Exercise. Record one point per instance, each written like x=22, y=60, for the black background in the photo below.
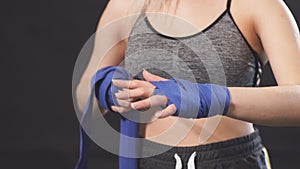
x=40, y=42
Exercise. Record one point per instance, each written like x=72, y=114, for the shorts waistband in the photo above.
x=225, y=150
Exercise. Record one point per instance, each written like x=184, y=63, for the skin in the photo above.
x=282, y=110
x=271, y=31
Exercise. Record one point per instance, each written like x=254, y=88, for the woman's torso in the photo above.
x=222, y=49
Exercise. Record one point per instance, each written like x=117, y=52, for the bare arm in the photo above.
x=272, y=106
x=276, y=106
x=109, y=46
x=277, y=29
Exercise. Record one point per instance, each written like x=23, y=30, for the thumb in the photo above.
x=151, y=77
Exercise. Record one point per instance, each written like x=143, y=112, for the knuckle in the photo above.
x=133, y=83
x=138, y=92
x=130, y=94
x=127, y=104
x=143, y=92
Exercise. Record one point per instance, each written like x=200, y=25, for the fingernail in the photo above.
x=133, y=106
x=117, y=94
x=158, y=114
x=114, y=108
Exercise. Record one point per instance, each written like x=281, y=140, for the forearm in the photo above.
x=273, y=106
x=82, y=94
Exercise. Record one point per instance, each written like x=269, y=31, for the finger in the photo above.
x=151, y=77
x=132, y=99
x=135, y=93
x=124, y=103
x=168, y=111
x=156, y=100
x=122, y=94
x=119, y=109
x=132, y=84
x=127, y=84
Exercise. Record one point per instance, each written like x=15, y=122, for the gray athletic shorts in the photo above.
x=239, y=153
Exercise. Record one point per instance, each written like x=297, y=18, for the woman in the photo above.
x=250, y=32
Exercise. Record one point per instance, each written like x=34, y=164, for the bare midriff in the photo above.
x=181, y=132
x=177, y=131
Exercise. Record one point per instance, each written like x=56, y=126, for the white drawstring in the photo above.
x=191, y=162
x=178, y=162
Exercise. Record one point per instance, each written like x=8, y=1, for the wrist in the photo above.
x=232, y=104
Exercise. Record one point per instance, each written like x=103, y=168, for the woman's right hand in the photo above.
x=139, y=95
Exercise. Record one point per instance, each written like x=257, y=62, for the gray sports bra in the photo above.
x=219, y=54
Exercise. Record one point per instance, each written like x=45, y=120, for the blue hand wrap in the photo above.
x=194, y=100
x=105, y=95
x=103, y=79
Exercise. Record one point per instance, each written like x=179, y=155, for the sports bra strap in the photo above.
x=228, y=5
